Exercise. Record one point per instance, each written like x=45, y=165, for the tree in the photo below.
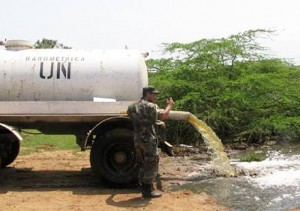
x=48, y=43
x=233, y=85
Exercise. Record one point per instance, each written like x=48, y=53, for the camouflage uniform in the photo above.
x=144, y=116
x=160, y=128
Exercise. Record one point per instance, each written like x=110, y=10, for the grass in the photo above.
x=253, y=156
x=38, y=142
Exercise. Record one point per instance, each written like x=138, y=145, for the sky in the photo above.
x=146, y=24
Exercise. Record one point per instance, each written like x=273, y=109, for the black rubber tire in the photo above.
x=12, y=155
x=103, y=158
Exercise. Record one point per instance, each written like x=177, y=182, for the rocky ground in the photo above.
x=62, y=180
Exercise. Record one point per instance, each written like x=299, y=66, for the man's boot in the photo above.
x=167, y=148
x=147, y=191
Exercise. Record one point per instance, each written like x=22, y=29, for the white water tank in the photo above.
x=16, y=45
x=71, y=75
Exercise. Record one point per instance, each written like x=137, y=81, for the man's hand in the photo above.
x=165, y=113
x=170, y=102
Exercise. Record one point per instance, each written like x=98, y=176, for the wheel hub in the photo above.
x=120, y=157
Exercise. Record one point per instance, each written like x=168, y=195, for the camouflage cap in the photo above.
x=149, y=89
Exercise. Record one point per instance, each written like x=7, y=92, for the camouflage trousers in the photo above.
x=160, y=129
x=147, y=157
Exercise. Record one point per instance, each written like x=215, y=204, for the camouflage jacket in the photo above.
x=144, y=115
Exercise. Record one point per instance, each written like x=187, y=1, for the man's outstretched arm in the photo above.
x=165, y=114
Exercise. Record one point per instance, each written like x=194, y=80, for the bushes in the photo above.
x=253, y=156
x=241, y=94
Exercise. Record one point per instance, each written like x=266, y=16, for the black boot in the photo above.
x=147, y=191
x=167, y=148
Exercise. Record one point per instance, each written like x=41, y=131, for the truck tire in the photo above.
x=113, y=158
x=12, y=154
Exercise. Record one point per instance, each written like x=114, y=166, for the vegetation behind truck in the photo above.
x=79, y=92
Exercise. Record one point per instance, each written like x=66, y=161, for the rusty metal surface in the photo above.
x=60, y=111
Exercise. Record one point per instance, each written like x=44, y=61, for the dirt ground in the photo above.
x=62, y=180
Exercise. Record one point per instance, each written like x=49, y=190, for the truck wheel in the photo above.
x=12, y=150
x=113, y=159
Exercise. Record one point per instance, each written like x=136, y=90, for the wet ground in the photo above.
x=272, y=184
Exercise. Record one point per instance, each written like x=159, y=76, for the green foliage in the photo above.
x=48, y=43
x=253, y=156
x=233, y=85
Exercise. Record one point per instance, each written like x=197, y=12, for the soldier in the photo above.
x=161, y=137
x=144, y=115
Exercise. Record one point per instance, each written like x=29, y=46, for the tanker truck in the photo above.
x=78, y=92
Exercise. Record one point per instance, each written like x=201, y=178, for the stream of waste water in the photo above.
x=275, y=185
x=214, y=145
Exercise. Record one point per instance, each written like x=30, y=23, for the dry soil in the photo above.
x=62, y=180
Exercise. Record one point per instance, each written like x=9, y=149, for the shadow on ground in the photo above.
x=79, y=182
